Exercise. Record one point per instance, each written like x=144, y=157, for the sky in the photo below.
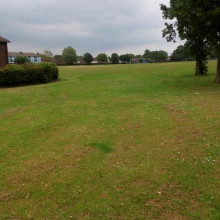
x=94, y=26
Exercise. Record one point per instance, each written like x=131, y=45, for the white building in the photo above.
x=32, y=57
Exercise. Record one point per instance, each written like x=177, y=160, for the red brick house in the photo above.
x=3, y=51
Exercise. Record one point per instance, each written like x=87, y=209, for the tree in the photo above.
x=158, y=56
x=213, y=53
x=21, y=60
x=146, y=53
x=115, y=58
x=45, y=58
x=188, y=27
x=181, y=53
x=69, y=55
x=87, y=58
x=48, y=53
x=102, y=58
x=208, y=14
x=57, y=56
x=126, y=58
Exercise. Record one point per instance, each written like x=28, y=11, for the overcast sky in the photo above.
x=95, y=26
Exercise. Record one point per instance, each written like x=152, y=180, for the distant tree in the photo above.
x=139, y=56
x=114, y=58
x=45, y=58
x=57, y=56
x=87, y=58
x=126, y=58
x=213, y=53
x=48, y=53
x=146, y=53
x=158, y=56
x=69, y=55
x=131, y=55
x=21, y=60
x=102, y=58
x=79, y=57
x=180, y=53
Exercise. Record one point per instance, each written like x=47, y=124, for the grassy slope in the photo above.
x=112, y=142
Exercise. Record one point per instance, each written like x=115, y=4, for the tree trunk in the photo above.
x=217, y=78
x=201, y=68
x=197, y=71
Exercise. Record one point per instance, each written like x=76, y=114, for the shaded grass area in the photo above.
x=112, y=142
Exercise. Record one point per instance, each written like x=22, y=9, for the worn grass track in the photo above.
x=112, y=142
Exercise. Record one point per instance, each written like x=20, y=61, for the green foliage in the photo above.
x=146, y=53
x=126, y=57
x=187, y=24
x=213, y=53
x=58, y=56
x=87, y=58
x=102, y=58
x=157, y=56
x=28, y=73
x=45, y=58
x=115, y=58
x=21, y=60
x=181, y=53
x=69, y=55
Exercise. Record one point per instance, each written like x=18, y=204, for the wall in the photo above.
x=3, y=54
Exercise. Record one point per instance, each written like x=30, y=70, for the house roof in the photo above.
x=26, y=54
x=3, y=40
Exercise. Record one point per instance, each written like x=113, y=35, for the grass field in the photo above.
x=112, y=142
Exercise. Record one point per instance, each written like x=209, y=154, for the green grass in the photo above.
x=112, y=142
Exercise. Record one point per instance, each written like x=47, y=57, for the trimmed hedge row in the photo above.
x=28, y=73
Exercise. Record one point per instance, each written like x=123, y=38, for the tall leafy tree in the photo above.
x=87, y=58
x=187, y=25
x=69, y=55
x=208, y=18
x=114, y=58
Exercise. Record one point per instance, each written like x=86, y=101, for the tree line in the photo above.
x=70, y=57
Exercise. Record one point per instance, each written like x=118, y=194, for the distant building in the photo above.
x=32, y=57
x=3, y=51
x=135, y=60
x=95, y=61
x=80, y=61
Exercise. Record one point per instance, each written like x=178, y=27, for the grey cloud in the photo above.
x=87, y=25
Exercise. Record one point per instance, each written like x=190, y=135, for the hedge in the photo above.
x=28, y=73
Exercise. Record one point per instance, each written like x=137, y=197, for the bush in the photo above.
x=28, y=73
x=21, y=60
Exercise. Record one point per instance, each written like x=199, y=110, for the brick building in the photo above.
x=3, y=51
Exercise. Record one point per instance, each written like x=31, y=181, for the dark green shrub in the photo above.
x=28, y=73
